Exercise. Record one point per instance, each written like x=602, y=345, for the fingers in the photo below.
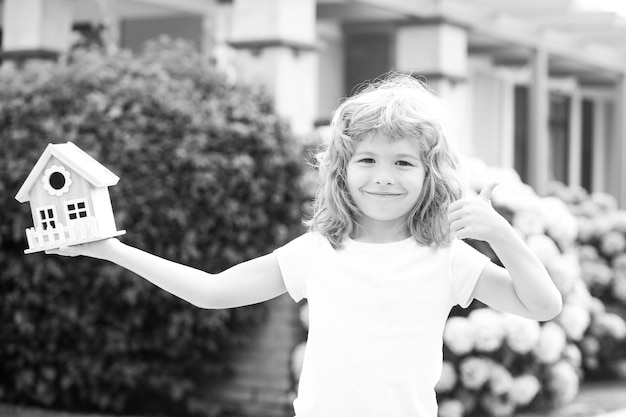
x=486, y=192
x=64, y=251
x=466, y=216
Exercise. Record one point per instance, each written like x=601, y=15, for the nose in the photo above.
x=384, y=177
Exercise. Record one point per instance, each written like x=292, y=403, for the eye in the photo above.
x=404, y=163
x=366, y=160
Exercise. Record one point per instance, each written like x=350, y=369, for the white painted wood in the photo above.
x=538, y=146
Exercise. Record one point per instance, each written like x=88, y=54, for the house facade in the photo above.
x=537, y=86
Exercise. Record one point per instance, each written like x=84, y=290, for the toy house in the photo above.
x=69, y=199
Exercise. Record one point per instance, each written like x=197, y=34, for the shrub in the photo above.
x=208, y=178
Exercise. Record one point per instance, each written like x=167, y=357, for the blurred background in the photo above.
x=208, y=111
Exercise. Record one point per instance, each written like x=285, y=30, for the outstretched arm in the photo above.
x=247, y=283
x=523, y=286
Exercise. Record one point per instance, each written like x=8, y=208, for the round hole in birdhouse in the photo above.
x=57, y=180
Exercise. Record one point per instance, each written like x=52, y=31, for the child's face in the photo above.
x=385, y=179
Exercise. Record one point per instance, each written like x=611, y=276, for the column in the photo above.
x=276, y=49
x=598, y=164
x=538, y=112
x=437, y=50
x=507, y=123
x=619, y=139
x=575, y=138
x=36, y=28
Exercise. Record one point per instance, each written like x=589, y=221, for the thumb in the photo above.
x=486, y=192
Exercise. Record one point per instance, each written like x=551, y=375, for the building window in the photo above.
x=47, y=217
x=76, y=209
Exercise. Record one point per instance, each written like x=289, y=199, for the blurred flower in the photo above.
x=560, y=223
x=448, y=378
x=609, y=324
x=619, y=262
x=544, y=247
x=564, y=271
x=596, y=307
x=618, y=219
x=488, y=329
x=458, y=335
x=497, y=406
x=524, y=389
x=589, y=208
x=575, y=320
x=590, y=346
x=562, y=382
x=500, y=379
x=522, y=334
x=605, y=202
x=591, y=363
x=586, y=229
x=529, y=222
x=568, y=193
x=602, y=224
x=450, y=407
x=612, y=243
x=474, y=372
x=596, y=274
x=619, y=286
x=580, y=295
x=552, y=342
x=468, y=398
x=588, y=253
x=573, y=355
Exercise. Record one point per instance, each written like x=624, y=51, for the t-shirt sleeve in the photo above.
x=294, y=260
x=466, y=266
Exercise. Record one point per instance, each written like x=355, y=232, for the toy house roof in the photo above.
x=73, y=157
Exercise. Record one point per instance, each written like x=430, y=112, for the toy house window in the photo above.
x=76, y=209
x=47, y=217
x=56, y=180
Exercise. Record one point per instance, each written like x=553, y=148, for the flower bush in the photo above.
x=497, y=363
x=208, y=178
x=601, y=248
x=505, y=363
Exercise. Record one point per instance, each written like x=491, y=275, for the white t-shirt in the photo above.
x=376, y=319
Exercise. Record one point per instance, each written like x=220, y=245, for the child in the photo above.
x=382, y=264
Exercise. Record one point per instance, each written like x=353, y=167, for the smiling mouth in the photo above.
x=382, y=195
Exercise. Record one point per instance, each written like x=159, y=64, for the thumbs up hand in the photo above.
x=475, y=217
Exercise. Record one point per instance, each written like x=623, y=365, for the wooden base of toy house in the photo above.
x=76, y=233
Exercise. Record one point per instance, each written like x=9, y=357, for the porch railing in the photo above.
x=76, y=231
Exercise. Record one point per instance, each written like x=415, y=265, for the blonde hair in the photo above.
x=398, y=107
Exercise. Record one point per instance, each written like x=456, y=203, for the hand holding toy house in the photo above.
x=69, y=199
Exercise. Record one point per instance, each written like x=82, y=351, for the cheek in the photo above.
x=417, y=179
x=353, y=178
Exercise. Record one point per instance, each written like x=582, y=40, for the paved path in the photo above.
x=595, y=399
